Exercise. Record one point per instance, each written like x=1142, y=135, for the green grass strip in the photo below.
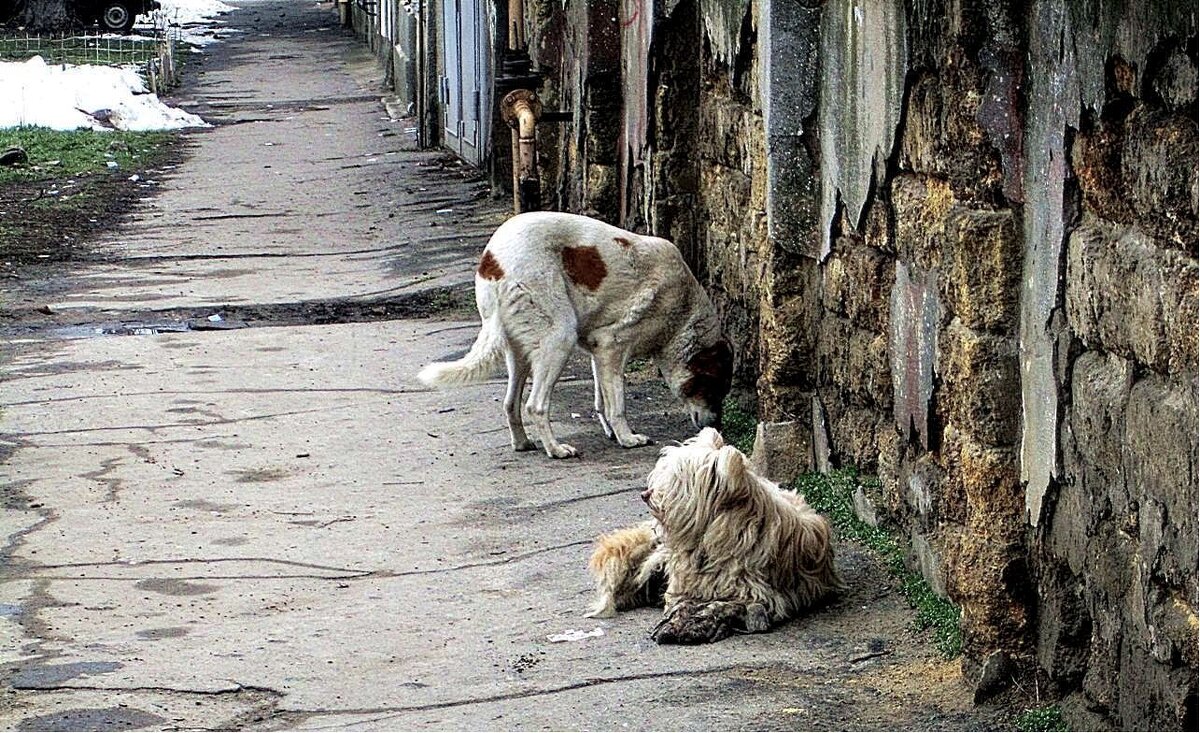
x=74, y=153
x=833, y=495
x=1046, y=718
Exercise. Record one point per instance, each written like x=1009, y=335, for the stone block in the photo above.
x=981, y=490
x=1140, y=171
x=853, y=432
x=921, y=206
x=1065, y=625
x=864, y=507
x=1175, y=81
x=980, y=384
x=891, y=456
x=793, y=195
x=600, y=190
x=942, y=135
x=1160, y=459
x=1127, y=295
x=857, y=284
x=782, y=450
x=981, y=275
x=1094, y=432
x=1158, y=167
x=928, y=561
x=854, y=360
x=921, y=486
x=673, y=174
x=1070, y=526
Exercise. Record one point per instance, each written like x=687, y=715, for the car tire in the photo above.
x=117, y=16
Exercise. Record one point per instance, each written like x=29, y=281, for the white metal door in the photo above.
x=462, y=52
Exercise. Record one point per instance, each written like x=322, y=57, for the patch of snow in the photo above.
x=68, y=97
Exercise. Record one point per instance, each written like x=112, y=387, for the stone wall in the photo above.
x=957, y=242
x=1008, y=327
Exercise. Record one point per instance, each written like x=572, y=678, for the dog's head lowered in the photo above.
x=696, y=482
x=710, y=373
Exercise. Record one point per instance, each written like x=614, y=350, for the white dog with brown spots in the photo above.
x=548, y=282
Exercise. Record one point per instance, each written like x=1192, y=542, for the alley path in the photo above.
x=277, y=527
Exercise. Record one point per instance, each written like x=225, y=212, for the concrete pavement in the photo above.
x=277, y=527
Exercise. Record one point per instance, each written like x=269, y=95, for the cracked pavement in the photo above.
x=276, y=526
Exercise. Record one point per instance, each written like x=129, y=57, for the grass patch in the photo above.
x=75, y=153
x=1046, y=718
x=738, y=427
x=832, y=495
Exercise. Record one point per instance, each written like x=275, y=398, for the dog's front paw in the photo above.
x=603, y=608
x=634, y=440
x=561, y=450
x=523, y=445
x=690, y=622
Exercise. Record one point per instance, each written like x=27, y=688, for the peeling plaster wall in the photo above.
x=864, y=56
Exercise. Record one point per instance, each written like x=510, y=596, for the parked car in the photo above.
x=114, y=16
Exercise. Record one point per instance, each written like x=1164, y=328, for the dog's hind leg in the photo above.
x=547, y=363
x=518, y=373
x=628, y=567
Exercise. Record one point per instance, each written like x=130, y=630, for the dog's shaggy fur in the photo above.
x=550, y=281
x=737, y=553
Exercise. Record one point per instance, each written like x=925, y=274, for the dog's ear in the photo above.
x=733, y=476
x=711, y=436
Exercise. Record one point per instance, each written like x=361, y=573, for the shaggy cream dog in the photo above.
x=735, y=553
x=548, y=282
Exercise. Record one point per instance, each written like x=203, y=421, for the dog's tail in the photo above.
x=480, y=363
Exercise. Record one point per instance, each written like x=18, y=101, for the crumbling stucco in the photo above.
x=864, y=59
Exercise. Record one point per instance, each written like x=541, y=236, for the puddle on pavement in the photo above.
x=137, y=328
x=173, y=587
x=36, y=677
x=115, y=718
x=164, y=632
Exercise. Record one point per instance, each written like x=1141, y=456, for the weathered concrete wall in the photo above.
x=958, y=239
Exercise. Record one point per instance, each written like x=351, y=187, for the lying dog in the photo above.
x=549, y=281
x=727, y=550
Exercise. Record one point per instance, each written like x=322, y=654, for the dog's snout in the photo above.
x=646, y=495
x=706, y=419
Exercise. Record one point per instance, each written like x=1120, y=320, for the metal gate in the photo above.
x=463, y=49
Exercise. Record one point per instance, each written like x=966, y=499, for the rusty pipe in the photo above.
x=521, y=109
x=516, y=24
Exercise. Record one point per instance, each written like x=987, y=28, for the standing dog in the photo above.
x=549, y=281
x=735, y=552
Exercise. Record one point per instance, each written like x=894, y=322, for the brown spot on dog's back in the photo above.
x=584, y=266
x=712, y=374
x=623, y=241
x=489, y=268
